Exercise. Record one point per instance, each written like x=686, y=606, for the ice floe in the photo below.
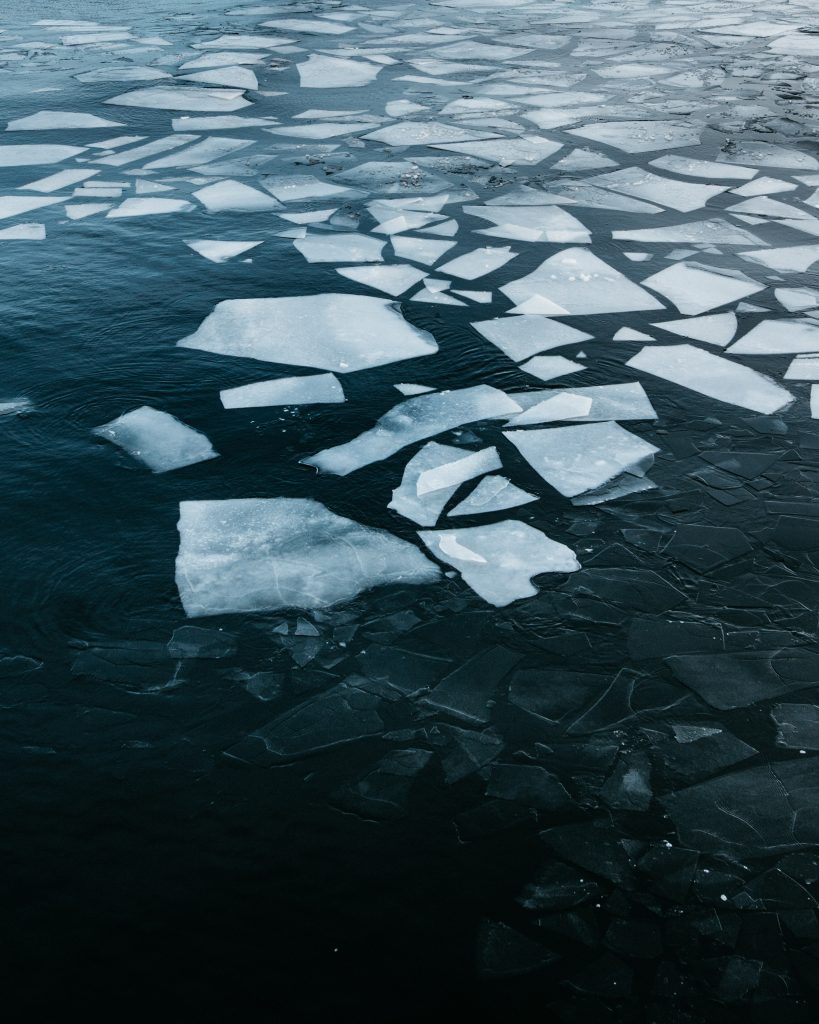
x=159, y=440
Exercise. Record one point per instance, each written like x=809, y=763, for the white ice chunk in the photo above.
x=13, y=206
x=640, y=136
x=492, y=494
x=478, y=262
x=323, y=72
x=235, y=195
x=701, y=232
x=413, y=389
x=425, y=506
x=150, y=149
x=79, y=211
x=123, y=73
x=629, y=334
x=576, y=282
x=394, y=279
x=794, y=259
x=178, y=97
x=713, y=376
x=46, y=120
x=562, y=405
x=424, y=133
x=201, y=153
x=340, y=247
x=328, y=332
x=522, y=336
x=296, y=188
x=583, y=457
x=766, y=154
x=62, y=179
x=702, y=168
x=797, y=299
x=234, y=77
x=314, y=389
x=542, y=223
x=498, y=561
x=528, y=149
x=454, y=473
x=583, y=160
x=218, y=250
x=694, y=289
x=715, y=329
x=684, y=196
x=31, y=155
x=608, y=402
x=159, y=440
x=308, y=26
x=420, y=250
x=414, y=420
x=764, y=187
x=778, y=337
x=803, y=368
x=23, y=233
x=263, y=554
x=136, y=207
x=549, y=367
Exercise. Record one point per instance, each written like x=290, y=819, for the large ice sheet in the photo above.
x=522, y=336
x=414, y=420
x=261, y=554
x=684, y=196
x=329, y=332
x=712, y=375
x=699, y=232
x=159, y=440
x=576, y=282
x=499, y=560
x=584, y=457
x=314, y=389
x=479, y=262
x=13, y=206
x=695, y=289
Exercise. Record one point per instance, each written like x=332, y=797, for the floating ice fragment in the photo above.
x=234, y=77
x=678, y=195
x=393, y=279
x=538, y=223
x=235, y=195
x=765, y=154
x=23, y=233
x=562, y=405
x=478, y=262
x=694, y=289
x=492, y=494
x=528, y=149
x=62, y=179
x=160, y=97
x=150, y=149
x=416, y=500
x=498, y=561
x=262, y=554
x=308, y=26
x=715, y=329
x=13, y=206
x=584, y=457
x=26, y=156
x=329, y=332
x=201, y=153
x=158, y=439
x=804, y=367
x=323, y=72
x=575, y=282
x=413, y=389
x=640, y=136
x=229, y=41
x=778, y=337
x=150, y=207
x=219, y=251
x=46, y=120
x=792, y=259
x=414, y=420
x=116, y=73
x=314, y=389
x=522, y=336
x=340, y=247
x=452, y=474
x=701, y=232
x=702, y=168
x=609, y=401
x=713, y=376
x=549, y=367
x=420, y=250
x=295, y=188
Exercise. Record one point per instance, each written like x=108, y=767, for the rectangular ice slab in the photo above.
x=30, y=156
x=311, y=390
x=575, y=282
x=498, y=561
x=261, y=554
x=712, y=375
x=329, y=332
x=414, y=420
x=584, y=457
x=158, y=439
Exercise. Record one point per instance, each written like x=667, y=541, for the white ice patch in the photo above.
x=394, y=279
x=478, y=263
x=522, y=336
x=323, y=72
x=499, y=560
x=433, y=475
x=694, y=289
x=640, y=136
x=340, y=247
x=715, y=329
x=713, y=376
x=157, y=439
x=492, y=494
x=778, y=337
x=411, y=421
x=262, y=554
x=219, y=251
x=47, y=120
x=136, y=207
x=32, y=155
x=235, y=195
x=328, y=332
x=178, y=97
x=315, y=389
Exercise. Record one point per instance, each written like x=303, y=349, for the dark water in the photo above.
x=151, y=857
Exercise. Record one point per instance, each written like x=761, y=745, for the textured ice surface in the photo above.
x=701, y=168
x=549, y=367
x=699, y=232
x=158, y=439
x=13, y=206
x=712, y=375
x=433, y=475
x=522, y=336
x=640, y=136
x=498, y=561
x=329, y=332
x=161, y=97
x=684, y=196
x=260, y=554
x=340, y=247
x=576, y=282
x=694, y=289
x=414, y=420
x=584, y=457
x=531, y=223
x=310, y=390
x=492, y=494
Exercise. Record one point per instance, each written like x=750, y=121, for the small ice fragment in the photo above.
x=640, y=136
x=413, y=389
x=235, y=195
x=30, y=232
x=492, y=494
x=262, y=554
x=453, y=474
x=420, y=250
x=13, y=206
x=695, y=289
x=791, y=259
x=159, y=440
x=715, y=329
x=522, y=336
x=150, y=207
x=549, y=367
x=629, y=334
x=218, y=250
x=62, y=179
x=46, y=120
x=713, y=376
x=701, y=168
x=394, y=279
x=414, y=420
x=453, y=465
x=309, y=390
x=498, y=561
x=560, y=406
x=803, y=368
x=324, y=72
x=328, y=332
x=340, y=247
x=583, y=457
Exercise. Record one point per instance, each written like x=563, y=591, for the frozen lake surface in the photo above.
x=410, y=456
